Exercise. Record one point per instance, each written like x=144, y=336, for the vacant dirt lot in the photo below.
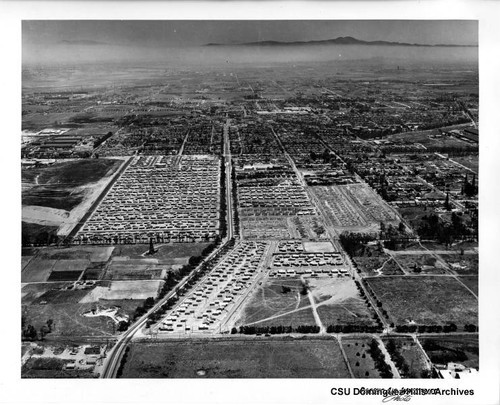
x=253, y=358
x=269, y=301
x=338, y=302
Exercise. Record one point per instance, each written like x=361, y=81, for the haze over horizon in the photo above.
x=101, y=41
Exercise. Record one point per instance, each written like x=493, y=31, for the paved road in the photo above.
x=112, y=362
x=229, y=183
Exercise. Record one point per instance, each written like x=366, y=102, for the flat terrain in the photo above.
x=414, y=359
x=362, y=364
x=338, y=302
x=56, y=186
x=253, y=358
x=425, y=300
x=424, y=264
x=269, y=301
x=457, y=349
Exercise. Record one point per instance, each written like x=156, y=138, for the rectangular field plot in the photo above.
x=255, y=358
x=115, y=290
x=62, y=275
x=338, y=302
x=425, y=300
x=37, y=270
x=360, y=360
x=353, y=206
x=93, y=254
x=408, y=357
x=170, y=199
x=462, y=349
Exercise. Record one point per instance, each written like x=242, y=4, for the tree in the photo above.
x=50, y=322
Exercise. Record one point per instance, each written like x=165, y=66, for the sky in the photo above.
x=180, y=42
x=195, y=33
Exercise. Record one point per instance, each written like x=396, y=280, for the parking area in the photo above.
x=213, y=300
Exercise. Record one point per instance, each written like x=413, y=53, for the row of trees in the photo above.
x=378, y=357
x=275, y=330
x=447, y=328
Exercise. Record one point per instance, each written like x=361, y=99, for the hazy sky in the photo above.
x=192, y=33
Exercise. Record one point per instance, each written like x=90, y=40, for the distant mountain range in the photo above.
x=335, y=41
x=81, y=42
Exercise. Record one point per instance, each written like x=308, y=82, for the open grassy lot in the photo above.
x=69, y=320
x=424, y=264
x=31, y=292
x=470, y=161
x=73, y=173
x=115, y=290
x=462, y=349
x=472, y=282
x=462, y=264
x=381, y=264
x=273, y=299
x=338, y=302
x=413, y=363
x=428, y=300
x=234, y=358
x=36, y=233
x=371, y=260
x=90, y=253
x=169, y=253
x=361, y=362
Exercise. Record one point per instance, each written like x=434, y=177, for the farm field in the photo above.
x=413, y=363
x=457, y=349
x=253, y=358
x=37, y=270
x=426, y=300
x=360, y=360
x=115, y=290
x=63, y=263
